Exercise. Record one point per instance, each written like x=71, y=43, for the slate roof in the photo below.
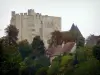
x=75, y=29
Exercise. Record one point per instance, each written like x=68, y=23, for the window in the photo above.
x=49, y=25
x=41, y=22
x=32, y=25
x=33, y=29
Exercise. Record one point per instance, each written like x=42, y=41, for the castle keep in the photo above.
x=31, y=24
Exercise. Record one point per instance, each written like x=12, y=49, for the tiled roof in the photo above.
x=59, y=49
x=68, y=46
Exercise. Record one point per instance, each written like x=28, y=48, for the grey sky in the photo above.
x=84, y=13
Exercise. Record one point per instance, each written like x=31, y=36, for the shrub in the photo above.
x=91, y=67
x=42, y=71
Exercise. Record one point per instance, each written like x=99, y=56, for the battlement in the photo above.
x=21, y=14
x=13, y=13
x=25, y=13
x=32, y=12
x=46, y=15
x=17, y=14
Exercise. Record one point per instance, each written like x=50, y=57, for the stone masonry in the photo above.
x=31, y=24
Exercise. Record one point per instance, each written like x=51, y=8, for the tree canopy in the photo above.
x=96, y=50
x=12, y=33
x=38, y=46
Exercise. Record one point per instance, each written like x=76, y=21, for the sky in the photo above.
x=83, y=13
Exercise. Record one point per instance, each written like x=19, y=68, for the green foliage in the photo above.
x=54, y=68
x=58, y=58
x=23, y=65
x=66, y=64
x=38, y=46
x=91, y=67
x=36, y=63
x=89, y=52
x=60, y=64
x=81, y=55
x=11, y=56
x=1, y=51
x=8, y=48
x=80, y=42
x=29, y=61
x=43, y=61
x=9, y=67
x=11, y=49
x=14, y=58
x=27, y=67
x=42, y=71
x=96, y=51
x=25, y=49
x=56, y=38
x=11, y=64
x=12, y=33
x=65, y=60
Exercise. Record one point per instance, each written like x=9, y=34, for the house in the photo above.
x=92, y=40
x=73, y=35
x=64, y=42
x=69, y=47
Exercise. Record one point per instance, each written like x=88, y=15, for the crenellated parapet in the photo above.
x=13, y=13
x=31, y=12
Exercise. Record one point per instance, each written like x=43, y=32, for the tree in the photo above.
x=66, y=66
x=56, y=38
x=25, y=48
x=68, y=36
x=12, y=33
x=27, y=67
x=9, y=51
x=10, y=58
x=61, y=65
x=89, y=52
x=42, y=71
x=1, y=50
x=8, y=48
x=81, y=55
x=54, y=68
x=10, y=65
x=96, y=50
x=43, y=60
x=80, y=42
x=90, y=67
x=38, y=46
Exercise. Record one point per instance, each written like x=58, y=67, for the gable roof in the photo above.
x=59, y=49
x=68, y=46
x=76, y=30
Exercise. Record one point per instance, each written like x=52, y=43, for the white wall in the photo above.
x=29, y=25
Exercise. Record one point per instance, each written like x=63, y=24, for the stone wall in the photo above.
x=31, y=24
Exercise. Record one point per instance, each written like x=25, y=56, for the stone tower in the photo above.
x=31, y=24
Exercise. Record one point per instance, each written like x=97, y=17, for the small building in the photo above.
x=92, y=40
x=69, y=47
